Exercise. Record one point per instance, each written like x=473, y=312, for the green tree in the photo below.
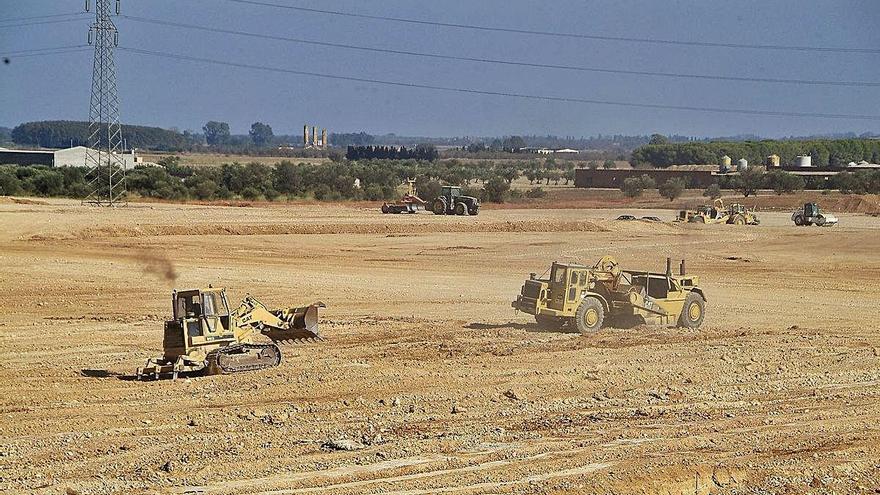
x=216, y=132
x=261, y=134
x=672, y=188
x=495, y=189
x=658, y=139
x=608, y=164
x=632, y=187
x=712, y=192
x=749, y=182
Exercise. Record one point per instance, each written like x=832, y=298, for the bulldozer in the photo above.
x=587, y=297
x=205, y=335
x=734, y=214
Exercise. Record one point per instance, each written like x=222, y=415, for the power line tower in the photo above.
x=106, y=175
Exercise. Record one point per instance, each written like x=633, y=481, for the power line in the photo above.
x=869, y=84
x=35, y=23
x=503, y=93
x=55, y=48
x=50, y=16
x=564, y=35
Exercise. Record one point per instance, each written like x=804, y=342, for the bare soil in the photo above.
x=426, y=371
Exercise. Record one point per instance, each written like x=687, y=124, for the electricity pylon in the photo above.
x=106, y=175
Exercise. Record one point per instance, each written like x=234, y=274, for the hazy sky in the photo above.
x=185, y=94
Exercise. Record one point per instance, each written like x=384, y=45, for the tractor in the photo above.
x=452, y=202
x=586, y=297
x=810, y=215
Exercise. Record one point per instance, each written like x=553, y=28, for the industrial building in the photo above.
x=68, y=157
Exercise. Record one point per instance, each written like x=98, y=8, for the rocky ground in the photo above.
x=428, y=382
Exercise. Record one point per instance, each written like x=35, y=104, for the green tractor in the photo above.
x=587, y=297
x=452, y=202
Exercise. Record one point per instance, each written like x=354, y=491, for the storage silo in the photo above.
x=773, y=161
x=804, y=161
x=742, y=165
x=725, y=161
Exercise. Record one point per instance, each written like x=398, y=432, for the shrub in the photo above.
x=632, y=187
x=713, y=192
x=672, y=188
x=536, y=192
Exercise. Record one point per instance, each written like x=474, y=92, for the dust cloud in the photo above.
x=158, y=265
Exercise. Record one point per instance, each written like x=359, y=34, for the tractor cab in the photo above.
x=201, y=316
x=450, y=192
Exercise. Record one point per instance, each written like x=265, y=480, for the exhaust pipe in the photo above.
x=681, y=269
x=668, y=267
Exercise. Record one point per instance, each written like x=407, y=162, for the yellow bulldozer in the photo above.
x=587, y=297
x=205, y=335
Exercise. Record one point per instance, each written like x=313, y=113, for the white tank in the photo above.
x=742, y=165
x=804, y=161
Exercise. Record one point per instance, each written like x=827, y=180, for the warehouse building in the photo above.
x=69, y=157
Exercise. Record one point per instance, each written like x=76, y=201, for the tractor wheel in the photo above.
x=589, y=316
x=475, y=210
x=461, y=209
x=385, y=208
x=820, y=221
x=738, y=220
x=549, y=322
x=693, y=311
x=439, y=206
x=799, y=220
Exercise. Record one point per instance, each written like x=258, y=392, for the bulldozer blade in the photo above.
x=302, y=323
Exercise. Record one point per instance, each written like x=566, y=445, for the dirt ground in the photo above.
x=426, y=364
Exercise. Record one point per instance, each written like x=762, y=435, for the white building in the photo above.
x=69, y=157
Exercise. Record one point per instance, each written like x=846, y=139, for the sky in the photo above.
x=185, y=94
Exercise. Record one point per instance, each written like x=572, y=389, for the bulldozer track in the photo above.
x=223, y=358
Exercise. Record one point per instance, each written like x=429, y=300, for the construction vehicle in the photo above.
x=586, y=297
x=734, y=214
x=811, y=215
x=452, y=202
x=409, y=203
x=205, y=336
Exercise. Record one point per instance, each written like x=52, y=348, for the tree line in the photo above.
x=754, y=180
x=420, y=152
x=824, y=152
x=64, y=133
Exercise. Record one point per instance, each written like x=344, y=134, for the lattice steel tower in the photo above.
x=106, y=175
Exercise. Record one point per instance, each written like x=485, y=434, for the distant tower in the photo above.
x=306, y=136
x=324, y=138
x=106, y=175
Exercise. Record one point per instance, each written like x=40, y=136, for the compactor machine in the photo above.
x=206, y=335
x=586, y=297
x=811, y=215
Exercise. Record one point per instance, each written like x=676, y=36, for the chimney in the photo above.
x=306, y=136
x=315, y=136
x=324, y=138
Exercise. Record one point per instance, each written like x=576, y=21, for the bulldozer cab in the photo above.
x=202, y=315
x=567, y=283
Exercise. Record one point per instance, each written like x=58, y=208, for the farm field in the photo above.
x=424, y=362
